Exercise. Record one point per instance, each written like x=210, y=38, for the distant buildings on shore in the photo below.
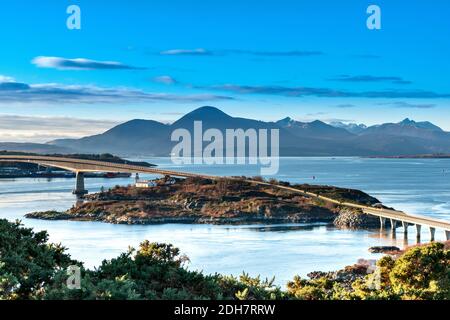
x=154, y=183
x=15, y=172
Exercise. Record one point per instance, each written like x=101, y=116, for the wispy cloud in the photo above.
x=41, y=129
x=369, y=78
x=293, y=53
x=79, y=64
x=205, y=52
x=345, y=105
x=407, y=105
x=13, y=91
x=334, y=120
x=186, y=52
x=327, y=92
x=315, y=114
x=6, y=79
x=165, y=80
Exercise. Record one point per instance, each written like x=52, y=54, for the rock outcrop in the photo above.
x=355, y=219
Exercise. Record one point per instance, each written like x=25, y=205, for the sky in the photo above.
x=257, y=59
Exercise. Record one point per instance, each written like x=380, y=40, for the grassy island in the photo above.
x=227, y=201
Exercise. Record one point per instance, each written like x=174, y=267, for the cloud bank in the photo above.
x=16, y=128
x=12, y=91
x=407, y=105
x=327, y=92
x=369, y=78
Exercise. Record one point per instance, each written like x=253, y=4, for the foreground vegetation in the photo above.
x=31, y=268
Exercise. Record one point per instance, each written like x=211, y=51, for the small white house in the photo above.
x=145, y=184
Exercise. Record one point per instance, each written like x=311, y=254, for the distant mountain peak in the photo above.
x=285, y=122
x=350, y=127
x=421, y=125
x=318, y=123
x=205, y=113
x=207, y=110
x=407, y=121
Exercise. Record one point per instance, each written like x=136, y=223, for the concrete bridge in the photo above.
x=80, y=166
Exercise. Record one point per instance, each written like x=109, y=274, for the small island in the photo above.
x=219, y=201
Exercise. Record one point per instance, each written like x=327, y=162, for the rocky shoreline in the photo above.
x=224, y=201
x=55, y=215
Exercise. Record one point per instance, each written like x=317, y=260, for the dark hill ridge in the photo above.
x=212, y=117
x=126, y=138
x=95, y=157
x=316, y=138
x=33, y=147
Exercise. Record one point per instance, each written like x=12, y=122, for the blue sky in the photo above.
x=258, y=59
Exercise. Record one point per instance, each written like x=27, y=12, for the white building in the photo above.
x=145, y=184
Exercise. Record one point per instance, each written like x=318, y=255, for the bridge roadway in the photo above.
x=79, y=166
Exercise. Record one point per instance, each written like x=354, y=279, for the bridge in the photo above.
x=80, y=166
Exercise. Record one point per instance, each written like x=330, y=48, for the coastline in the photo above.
x=204, y=201
x=418, y=156
x=54, y=216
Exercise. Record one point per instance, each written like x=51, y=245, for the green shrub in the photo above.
x=31, y=268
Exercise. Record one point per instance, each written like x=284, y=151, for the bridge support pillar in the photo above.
x=393, y=228
x=432, y=232
x=418, y=229
x=382, y=222
x=393, y=225
x=79, y=186
x=447, y=235
x=405, y=226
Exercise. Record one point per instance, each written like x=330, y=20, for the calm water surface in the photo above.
x=413, y=185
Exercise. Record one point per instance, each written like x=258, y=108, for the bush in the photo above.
x=28, y=264
x=31, y=268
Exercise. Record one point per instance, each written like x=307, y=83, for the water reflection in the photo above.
x=284, y=227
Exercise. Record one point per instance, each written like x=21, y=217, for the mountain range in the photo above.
x=151, y=138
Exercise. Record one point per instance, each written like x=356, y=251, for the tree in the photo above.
x=27, y=262
x=422, y=273
x=31, y=268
